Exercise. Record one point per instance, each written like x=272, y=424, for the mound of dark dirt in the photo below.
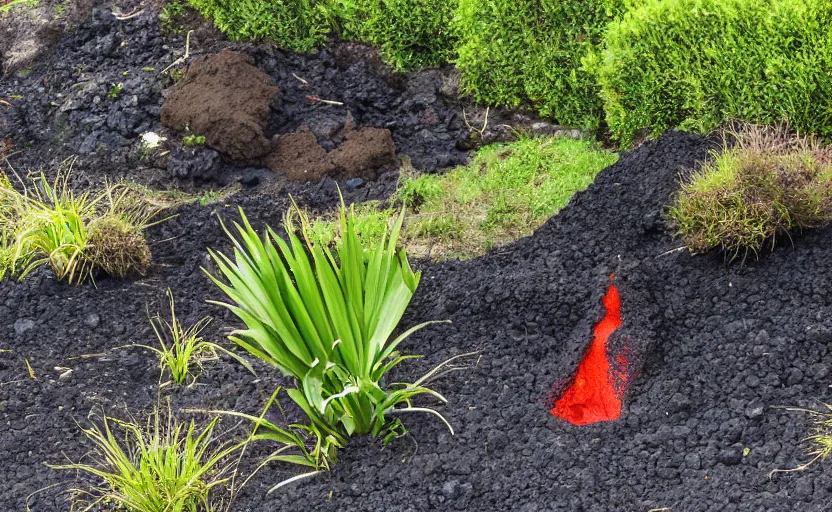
x=719, y=348
x=363, y=152
x=226, y=99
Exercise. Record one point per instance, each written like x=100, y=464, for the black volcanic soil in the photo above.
x=720, y=347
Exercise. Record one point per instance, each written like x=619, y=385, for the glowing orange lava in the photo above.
x=592, y=396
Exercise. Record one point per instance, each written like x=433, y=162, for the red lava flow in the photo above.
x=592, y=397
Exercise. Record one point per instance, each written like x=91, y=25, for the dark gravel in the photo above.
x=720, y=347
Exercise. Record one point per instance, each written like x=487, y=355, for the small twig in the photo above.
x=128, y=16
x=671, y=251
x=315, y=99
x=183, y=58
x=299, y=79
x=85, y=356
x=471, y=128
x=6, y=103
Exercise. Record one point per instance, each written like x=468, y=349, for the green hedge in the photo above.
x=694, y=63
x=516, y=52
x=410, y=34
x=298, y=25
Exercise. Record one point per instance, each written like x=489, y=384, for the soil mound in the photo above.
x=226, y=99
x=362, y=154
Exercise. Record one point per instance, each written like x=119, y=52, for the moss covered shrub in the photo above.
x=764, y=183
x=410, y=34
x=515, y=52
x=298, y=25
x=694, y=63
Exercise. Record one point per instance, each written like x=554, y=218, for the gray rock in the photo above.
x=92, y=320
x=21, y=325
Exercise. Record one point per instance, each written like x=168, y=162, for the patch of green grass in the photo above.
x=528, y=52
x=299, y=25
x=764, y=183
x=505, y=193
x=409, y=34
x=77, y=235
x=18, y=3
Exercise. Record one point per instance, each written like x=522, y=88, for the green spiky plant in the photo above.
x=163, y=466
x=182, y=351
x=326, y=319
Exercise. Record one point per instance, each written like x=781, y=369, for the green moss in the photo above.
x=299, y=25
x=410, y=34
x=694, y=63
x=528, y=52
x=507, y=192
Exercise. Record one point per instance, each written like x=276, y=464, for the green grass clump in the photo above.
x=163, y=466
x=766, y=184
x=77, y=235
x=528, y=52
x=505, y=193
x=410, y=34
x=299, y=25
x=694, y=63
x=326, y=318
x=182, y=351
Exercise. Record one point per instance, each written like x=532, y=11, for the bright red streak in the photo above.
x=592, y=396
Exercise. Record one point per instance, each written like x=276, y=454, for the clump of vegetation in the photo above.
x=507, y=192
x=170, y=14
x=190, y=141
x=17, y=3
x=162, y=466
x=299, y=25
x=326, y=318
x=116, y=247
x=77, y=235
x=695, y=63
x=528, y=52
x=115, y=91
x=409, y=34
x=182, y=351
x=764, y=183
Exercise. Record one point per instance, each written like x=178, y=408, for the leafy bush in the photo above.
x=326, y=319
x=163, y=466
x=298, y=25
x=694, y=63
x=767, y=184
x=410, y=34
x=516, y=52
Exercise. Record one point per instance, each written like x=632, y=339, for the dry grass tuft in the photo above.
x=764, y=183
